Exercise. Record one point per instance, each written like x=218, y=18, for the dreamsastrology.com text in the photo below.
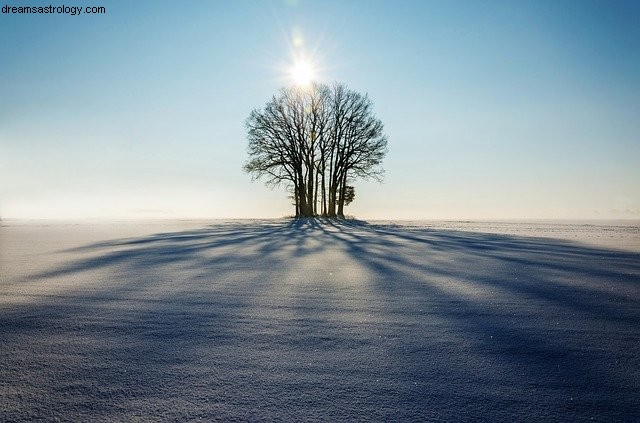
x=51, y=9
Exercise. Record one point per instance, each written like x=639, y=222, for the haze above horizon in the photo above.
x=494, y=110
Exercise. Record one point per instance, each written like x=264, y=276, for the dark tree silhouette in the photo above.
x=313, y=141
x=349, y=194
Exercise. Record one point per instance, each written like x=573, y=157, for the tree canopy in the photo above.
x=314, y=140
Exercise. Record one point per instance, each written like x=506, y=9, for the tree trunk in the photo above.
x=324, y=196
x=343, y=184
x=310, y=193
x=295, y=195
x=302, y=196
x=315, y=196
x=333, y=192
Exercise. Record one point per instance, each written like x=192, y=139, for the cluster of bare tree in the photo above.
x=315, y=140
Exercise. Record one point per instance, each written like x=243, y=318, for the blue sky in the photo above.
x=493, y=109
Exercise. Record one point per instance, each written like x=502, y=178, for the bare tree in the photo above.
x=314, y=141
x=359, y=144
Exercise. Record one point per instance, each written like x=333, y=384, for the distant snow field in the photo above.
x=315, y=320
x=618, y=234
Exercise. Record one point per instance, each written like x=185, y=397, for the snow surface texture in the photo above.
x=312, y=320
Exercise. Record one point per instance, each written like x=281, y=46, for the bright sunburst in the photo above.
x=302, y=72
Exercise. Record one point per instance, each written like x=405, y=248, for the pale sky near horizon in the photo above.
x=494, y=110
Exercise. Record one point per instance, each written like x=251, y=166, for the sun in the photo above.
x=302, y=72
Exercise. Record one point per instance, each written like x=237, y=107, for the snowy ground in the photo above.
x=308, y=320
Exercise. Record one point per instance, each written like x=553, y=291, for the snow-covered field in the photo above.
x=312, y=320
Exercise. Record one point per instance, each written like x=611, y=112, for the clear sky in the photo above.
x=509, y=109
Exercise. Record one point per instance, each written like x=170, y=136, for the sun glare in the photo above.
x=302, y=73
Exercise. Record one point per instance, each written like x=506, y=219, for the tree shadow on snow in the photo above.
x=322, y=319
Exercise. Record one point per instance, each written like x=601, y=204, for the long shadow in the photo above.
x=247, y=321
x=548, y=283
x=542, y=265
